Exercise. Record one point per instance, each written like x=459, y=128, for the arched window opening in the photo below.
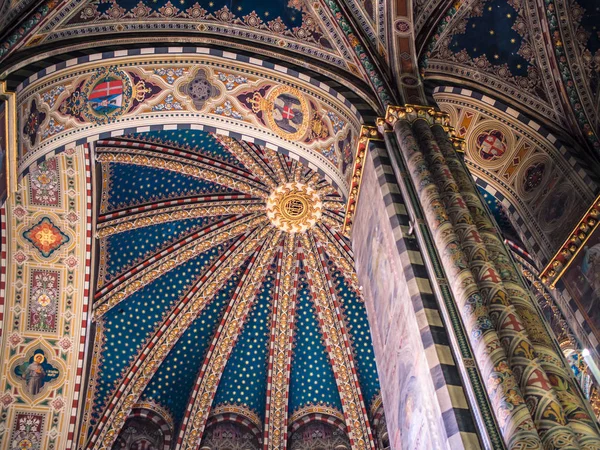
x=229, y=436
x=319, y=436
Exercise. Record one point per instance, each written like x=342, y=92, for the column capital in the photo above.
x=411, y=113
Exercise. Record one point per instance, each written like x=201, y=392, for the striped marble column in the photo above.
x=544, y=405
x=513, y=417
x=559, y=374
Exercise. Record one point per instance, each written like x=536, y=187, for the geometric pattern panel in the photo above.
x=212, y=90
x=535, y=178
x=46, y=309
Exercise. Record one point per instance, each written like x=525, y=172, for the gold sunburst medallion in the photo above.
x=294, y=207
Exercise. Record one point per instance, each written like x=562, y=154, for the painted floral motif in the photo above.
x=336, y=121
x=170, y=74
x=33, y=122
x=330, y=154
x=46, y=237
x=50, y=96
x=231, y=81
x=168, y=104
x=43, y=300
x=227, y=110
x=52, y=129
x=45, y=184
x=533, y=177
x=110, y=10
x=28, y=431
x=492, y=145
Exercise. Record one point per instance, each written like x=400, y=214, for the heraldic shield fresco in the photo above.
x=314, y=122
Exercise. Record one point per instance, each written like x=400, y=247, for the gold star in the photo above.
x=492, y=32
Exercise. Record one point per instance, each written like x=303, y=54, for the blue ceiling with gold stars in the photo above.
x=499, y=213
x=165, y=233
x=491, y=32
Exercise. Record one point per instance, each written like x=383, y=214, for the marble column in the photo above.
x=545, y=346
x=512, y=414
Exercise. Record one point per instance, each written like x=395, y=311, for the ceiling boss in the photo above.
x=294, y=207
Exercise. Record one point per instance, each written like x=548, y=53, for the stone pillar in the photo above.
x=545, y=347
x=513, y=417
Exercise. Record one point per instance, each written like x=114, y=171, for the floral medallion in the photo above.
x=46, y=237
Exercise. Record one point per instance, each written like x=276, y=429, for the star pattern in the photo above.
x=492, y=34
x=157, y=270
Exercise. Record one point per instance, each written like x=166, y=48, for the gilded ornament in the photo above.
x=294, y=207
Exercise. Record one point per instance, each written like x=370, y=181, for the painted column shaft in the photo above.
x=577, y=414
x=514, y=419
x=541, y=399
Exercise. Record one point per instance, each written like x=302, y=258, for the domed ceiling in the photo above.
x=224, y=286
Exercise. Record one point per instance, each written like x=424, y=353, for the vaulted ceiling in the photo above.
x=220, y=292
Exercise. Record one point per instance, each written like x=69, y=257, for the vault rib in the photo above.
x=135, y=279
x=222, y=345
x=280, y=345
x=180, y=165
x=157, y=348
x=158, y=215
x=338, y=345
x=339, y=252
x=246, y=155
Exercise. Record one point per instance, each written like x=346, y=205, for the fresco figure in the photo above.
x=36, y=372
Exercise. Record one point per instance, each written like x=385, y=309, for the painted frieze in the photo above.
x=535, y=178
x=314, y=123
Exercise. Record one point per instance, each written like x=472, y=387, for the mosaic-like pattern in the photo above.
x=45, y=328
x=539, y=181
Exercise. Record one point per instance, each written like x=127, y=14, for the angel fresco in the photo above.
x=36, y=372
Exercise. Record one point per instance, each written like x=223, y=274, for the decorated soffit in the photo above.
x=317, y=31
x=294, y=114
x=488, y=44
x=537, y=180
x=224, y=291
x=10, y=9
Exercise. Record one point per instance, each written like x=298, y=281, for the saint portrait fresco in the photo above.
x=36, y=372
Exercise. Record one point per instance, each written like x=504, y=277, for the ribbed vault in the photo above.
x=224, y=287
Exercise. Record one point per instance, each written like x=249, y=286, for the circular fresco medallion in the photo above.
x=287, y=113
x=294, y=207
x=492, y=145
x=108, y=94
x=533, y=176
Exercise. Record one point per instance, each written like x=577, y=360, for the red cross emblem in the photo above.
x=538, y=379
x=288, y=113
x=492, y=147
